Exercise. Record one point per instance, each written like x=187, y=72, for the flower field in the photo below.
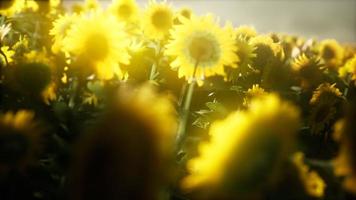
x=160, y=103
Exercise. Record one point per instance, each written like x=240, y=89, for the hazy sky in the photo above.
x=310, y=18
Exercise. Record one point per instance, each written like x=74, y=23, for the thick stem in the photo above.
x=186, y=109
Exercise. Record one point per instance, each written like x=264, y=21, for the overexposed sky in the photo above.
x=309, y=18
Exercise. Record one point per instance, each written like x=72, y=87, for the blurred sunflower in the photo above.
x=183, y=12
x=349, y=69
x=246, y=54
x=267, y=52
x=19, y=6
x=60, y=29
x=331, y=52
x=245, y=31
x=314, y=185
x=324, y=107
x=344, y=163
x=201, y=49
x=6, y=51
x=125, y=10
x=131, y=159
x=158, y=20
x=253, y=93
x=100, y=45
x=91, y=5
x=246, y=150
x=308, y=70
x=19, y=139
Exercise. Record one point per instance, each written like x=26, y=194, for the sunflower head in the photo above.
x=267, y=52
x=98, y=47
x=331, y=52
x=324, y=103
x=158, y=20
x=349, y=69
x=326, y=93
x=308, y=70
x=245, y=31
x=19, y=139
x=345, y=163
x=201, y=49
x=125, y=10
x=60, y=30
x=131, y=159
x=183, y=12
x=314, y=185
x=246, y=53
x=226, y=166
x=255, y=92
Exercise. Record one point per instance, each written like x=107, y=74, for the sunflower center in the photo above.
x=124, y=11
x=203, y=49
x=328, y=53
x=97, y=46
x=162, y=20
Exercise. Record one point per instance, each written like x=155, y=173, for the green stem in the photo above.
x=153, y=72
x=186, y=109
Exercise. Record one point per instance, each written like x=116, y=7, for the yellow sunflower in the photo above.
x=255, y=92
x=246, y=31
x=308, y=71
x=8, y=53
x=99, y=43
x=60, y=30
x=137, y=146
x=229, y=163
x=125, y=10
x=267, y=51
x=201, y=49
x=246, y=54
x=158, y=20
x=183, y=12
x=349, y=69
x=314, y=185
x=343, y=163
x=331, y=52
x=324, y=101
x=19, y=6
x=20, y=139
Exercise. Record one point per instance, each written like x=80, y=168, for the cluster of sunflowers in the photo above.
x=156, y=103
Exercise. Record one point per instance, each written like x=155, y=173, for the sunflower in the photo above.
x=19, y=6
x=331, y=52
x=230, y=162
x=49, y=93
x=246, y=53
x=201, y=49
x=314, y=185
x=19, y=138
x=91, y=5
x=158, y=20
x=344, y=162
x=138, y=146
x=324, y=106
x=349, y=69
x=99, y=43
x=8, y=53
x=255, y=92
x=60, y=30
x=245, y=31
x=308, y=70
x=125, y=10
x=183, y=12
x=267, y=52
